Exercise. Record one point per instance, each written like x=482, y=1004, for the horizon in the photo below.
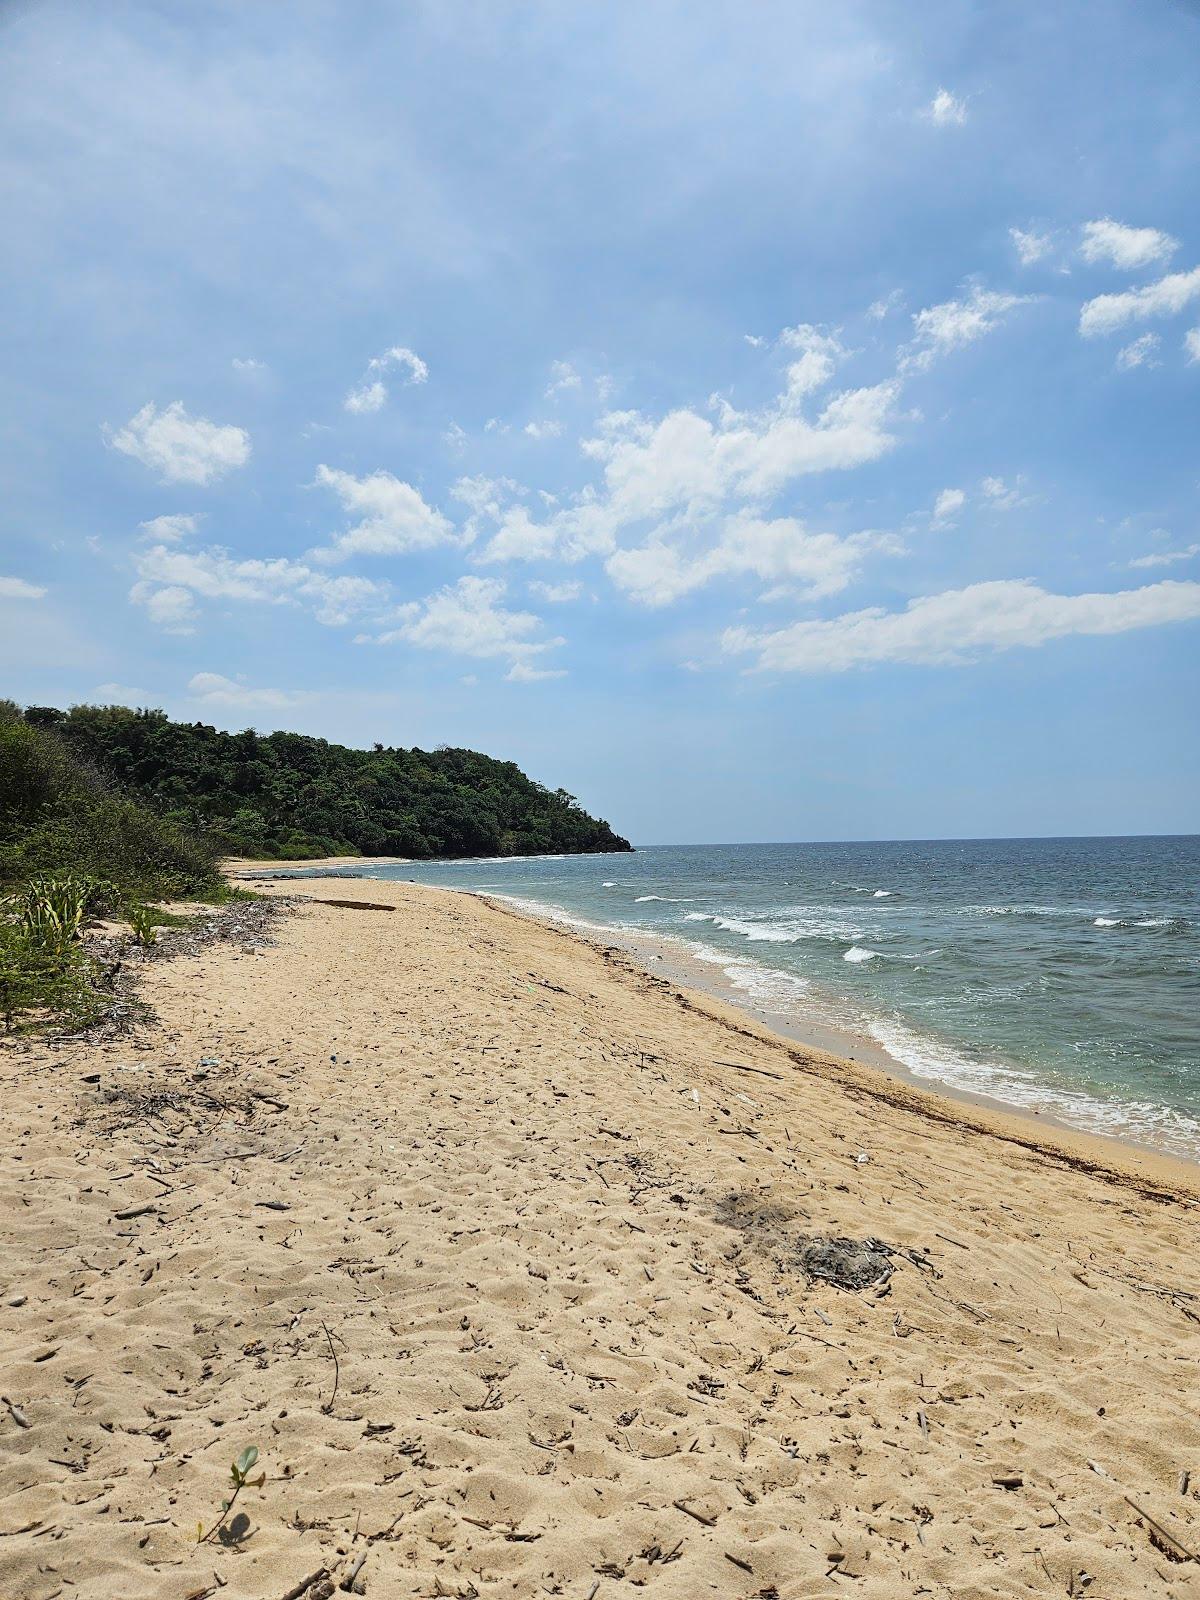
x=782, y=424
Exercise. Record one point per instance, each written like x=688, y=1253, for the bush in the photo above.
x=58, y=816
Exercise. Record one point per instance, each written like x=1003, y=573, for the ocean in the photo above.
x=1053, y=975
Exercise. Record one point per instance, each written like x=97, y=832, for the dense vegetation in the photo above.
x=71, y=846
x=286, y=796
x=59, y=814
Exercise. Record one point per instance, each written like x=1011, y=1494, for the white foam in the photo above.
x=882, y=894
x=698, y=916
x=857, y=953
x=1107, y=922
x=674, y=899
x=608, y=884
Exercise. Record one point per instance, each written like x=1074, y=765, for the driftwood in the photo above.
x=354, y=905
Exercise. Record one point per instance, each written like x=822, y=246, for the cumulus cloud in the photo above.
x=1191, y=344
x=885, y=305
x=562, y=377
x=1167, y=558
x=946, y=110
x=1125, y=247
x=691, y=466
x=168, y=530
x=248, y=366
x=556, y=593
x=1163, y=298
x=522, y=672
x=779, y=551
x=169, y=606
x=955, y=323
x=182, y=448
x=467, y=618
x=393, y=517
x=1002, y=496
x=371, y=394
x=210, y=688
x=1030, y=246
x=961, y=625
x=169, y=580
x=549, y=429
x=947, y=505
x=18, y=589
x=1139, y=353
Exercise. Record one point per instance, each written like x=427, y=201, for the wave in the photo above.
x=938, y=1061
x=883, y=894
x=675, y=899
x=857, y=953
x=698, y=916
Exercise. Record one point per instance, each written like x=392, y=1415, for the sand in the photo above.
x=479, y=1235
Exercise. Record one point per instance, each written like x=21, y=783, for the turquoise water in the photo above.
x=1057, y=974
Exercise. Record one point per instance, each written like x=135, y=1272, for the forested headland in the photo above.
x=286, y=796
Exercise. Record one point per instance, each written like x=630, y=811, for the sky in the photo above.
x=768, y=423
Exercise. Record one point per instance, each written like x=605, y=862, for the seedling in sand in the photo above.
x=240, y=1474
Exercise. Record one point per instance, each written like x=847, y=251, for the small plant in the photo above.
x=51, y=909
x=239, y=1472
x=143, y=923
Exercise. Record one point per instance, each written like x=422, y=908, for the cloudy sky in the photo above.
x=768, y=422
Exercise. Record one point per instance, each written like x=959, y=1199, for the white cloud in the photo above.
x=1167, y=558
x=522, y=672
x=1125, y=247
x=169, y=581
x=1139, y=353
x=1002, y=496
x=367, y=398
x=248, y=365
x=210, y=688
x=1164, y=298
x=946, y=110
x=878, y=309
x=562, y=376
x=556, y=593
x=120, y=694
x=467, y=618
x=780, y=551
x=1030, y=246
x=455, y=436
x=371, y=394
x=1191, y=344
x=947, y=505
x=18, y=589
x=819, y=355
x=754, y=341
x=954, y=323
x=686, y=465
x=169, y=606
x=168, y=530
x=960, y=625
x=182, y=448
x=394, y=517
x=543, y=430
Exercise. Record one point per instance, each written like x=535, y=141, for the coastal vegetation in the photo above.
x=287, y=796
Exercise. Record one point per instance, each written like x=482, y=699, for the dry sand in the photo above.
x=479, y=1235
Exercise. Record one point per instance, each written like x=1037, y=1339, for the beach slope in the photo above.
x=500, y=1251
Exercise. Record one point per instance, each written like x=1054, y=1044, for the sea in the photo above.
x=1054, y=976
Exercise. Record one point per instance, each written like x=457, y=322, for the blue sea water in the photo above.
x=1061, y=975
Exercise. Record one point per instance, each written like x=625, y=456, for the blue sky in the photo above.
x=769, y=422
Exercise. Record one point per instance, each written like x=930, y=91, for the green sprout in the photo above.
x=239, y=1473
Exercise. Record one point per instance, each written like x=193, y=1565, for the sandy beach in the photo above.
x=497, y=1246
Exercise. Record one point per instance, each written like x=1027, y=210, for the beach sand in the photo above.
x=488, y=1239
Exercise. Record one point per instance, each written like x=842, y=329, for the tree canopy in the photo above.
x=287, y=796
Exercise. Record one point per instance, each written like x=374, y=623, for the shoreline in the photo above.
x=661, y=952
x=878, y=1074
x=842, y=1043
